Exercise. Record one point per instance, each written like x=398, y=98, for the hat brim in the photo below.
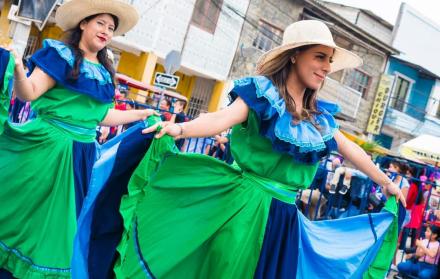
x=342, y=58
x=70, y=14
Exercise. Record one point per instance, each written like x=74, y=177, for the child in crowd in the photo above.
x=348, y=174
x=423, y=263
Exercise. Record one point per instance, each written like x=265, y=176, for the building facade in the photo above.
x=354, y=90
x=204, y=32
x=413, y=108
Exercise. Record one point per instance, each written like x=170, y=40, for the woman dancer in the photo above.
x=45, y=164
x=192, y=216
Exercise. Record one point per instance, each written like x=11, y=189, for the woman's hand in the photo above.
x=17, y=58
x=145, y=113
x=168, y=128
x=105, y=131
x=392, y=189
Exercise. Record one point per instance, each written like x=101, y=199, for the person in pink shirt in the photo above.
x=423, y=263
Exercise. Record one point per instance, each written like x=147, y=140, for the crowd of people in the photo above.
x=137, y=206
x=419, y=220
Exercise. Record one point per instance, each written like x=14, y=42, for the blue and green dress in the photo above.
x=192, y=216
x=46, y=163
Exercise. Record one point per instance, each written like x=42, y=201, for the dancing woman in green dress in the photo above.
x=192, y=216
x=46, y=163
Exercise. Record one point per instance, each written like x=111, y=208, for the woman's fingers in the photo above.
x=161, y=128
x=161, y=133
x=150, y=129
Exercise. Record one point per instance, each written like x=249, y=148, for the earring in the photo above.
x=293, y=60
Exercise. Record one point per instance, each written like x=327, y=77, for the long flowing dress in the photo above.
x=192, y=216
x=46, y=163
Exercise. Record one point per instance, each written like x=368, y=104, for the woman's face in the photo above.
x=178, y=107
x=164, y=105
x=428, y=233
x=393, y=168
x=312, y=66
x=97, y=32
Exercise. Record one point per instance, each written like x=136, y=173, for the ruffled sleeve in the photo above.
x=303, y=141
x=56, y=59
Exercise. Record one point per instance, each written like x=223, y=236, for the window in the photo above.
x=400, y=93
x=438, y=110
x=358, y=80
x=268, y=36
x=206, y=13
x=384, y=140
x=31, y=46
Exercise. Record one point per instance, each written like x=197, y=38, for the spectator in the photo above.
x=418, y=205
x=331, y=168
x=423, y=263
x=348, y=174
x=221, y=149
x=179, y=116
x=165, y=106
x=397, y=172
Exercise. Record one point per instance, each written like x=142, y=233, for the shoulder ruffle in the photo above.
x=303, y=141
x=57, y=60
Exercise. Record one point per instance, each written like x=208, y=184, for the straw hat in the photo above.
x=70, y=14
x=311, y=32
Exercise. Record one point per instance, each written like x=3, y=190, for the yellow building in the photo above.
x=4, y=23
x=203, y=90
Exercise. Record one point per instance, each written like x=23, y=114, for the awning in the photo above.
x=425, y=148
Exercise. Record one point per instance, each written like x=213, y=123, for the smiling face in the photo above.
x=312, y=66
x=97, y=32
x=165, y=105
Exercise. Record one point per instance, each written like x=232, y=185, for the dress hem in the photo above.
x=22, y=267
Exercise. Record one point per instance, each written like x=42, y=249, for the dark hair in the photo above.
x=412, y=171
x=278, y=70
x=167, y=101
x=72, y=38
x=435, y=229
x=403, y=167
x=182, y=103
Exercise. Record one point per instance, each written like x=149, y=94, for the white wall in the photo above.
x=374, y=27
x=417, y=38
x=362, y=20
x=213, y=53
x=163, y=26
x=349, y=13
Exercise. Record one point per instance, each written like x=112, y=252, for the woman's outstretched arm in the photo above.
x=362, y=161
x=206, y=125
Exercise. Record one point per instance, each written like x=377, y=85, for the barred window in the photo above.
x=206, y=14
x=400, y=93
x=358, y=80
x=268, y=36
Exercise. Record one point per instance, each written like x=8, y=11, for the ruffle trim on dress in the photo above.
x=56, y=59
x=303, y=141
x=23, y=267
